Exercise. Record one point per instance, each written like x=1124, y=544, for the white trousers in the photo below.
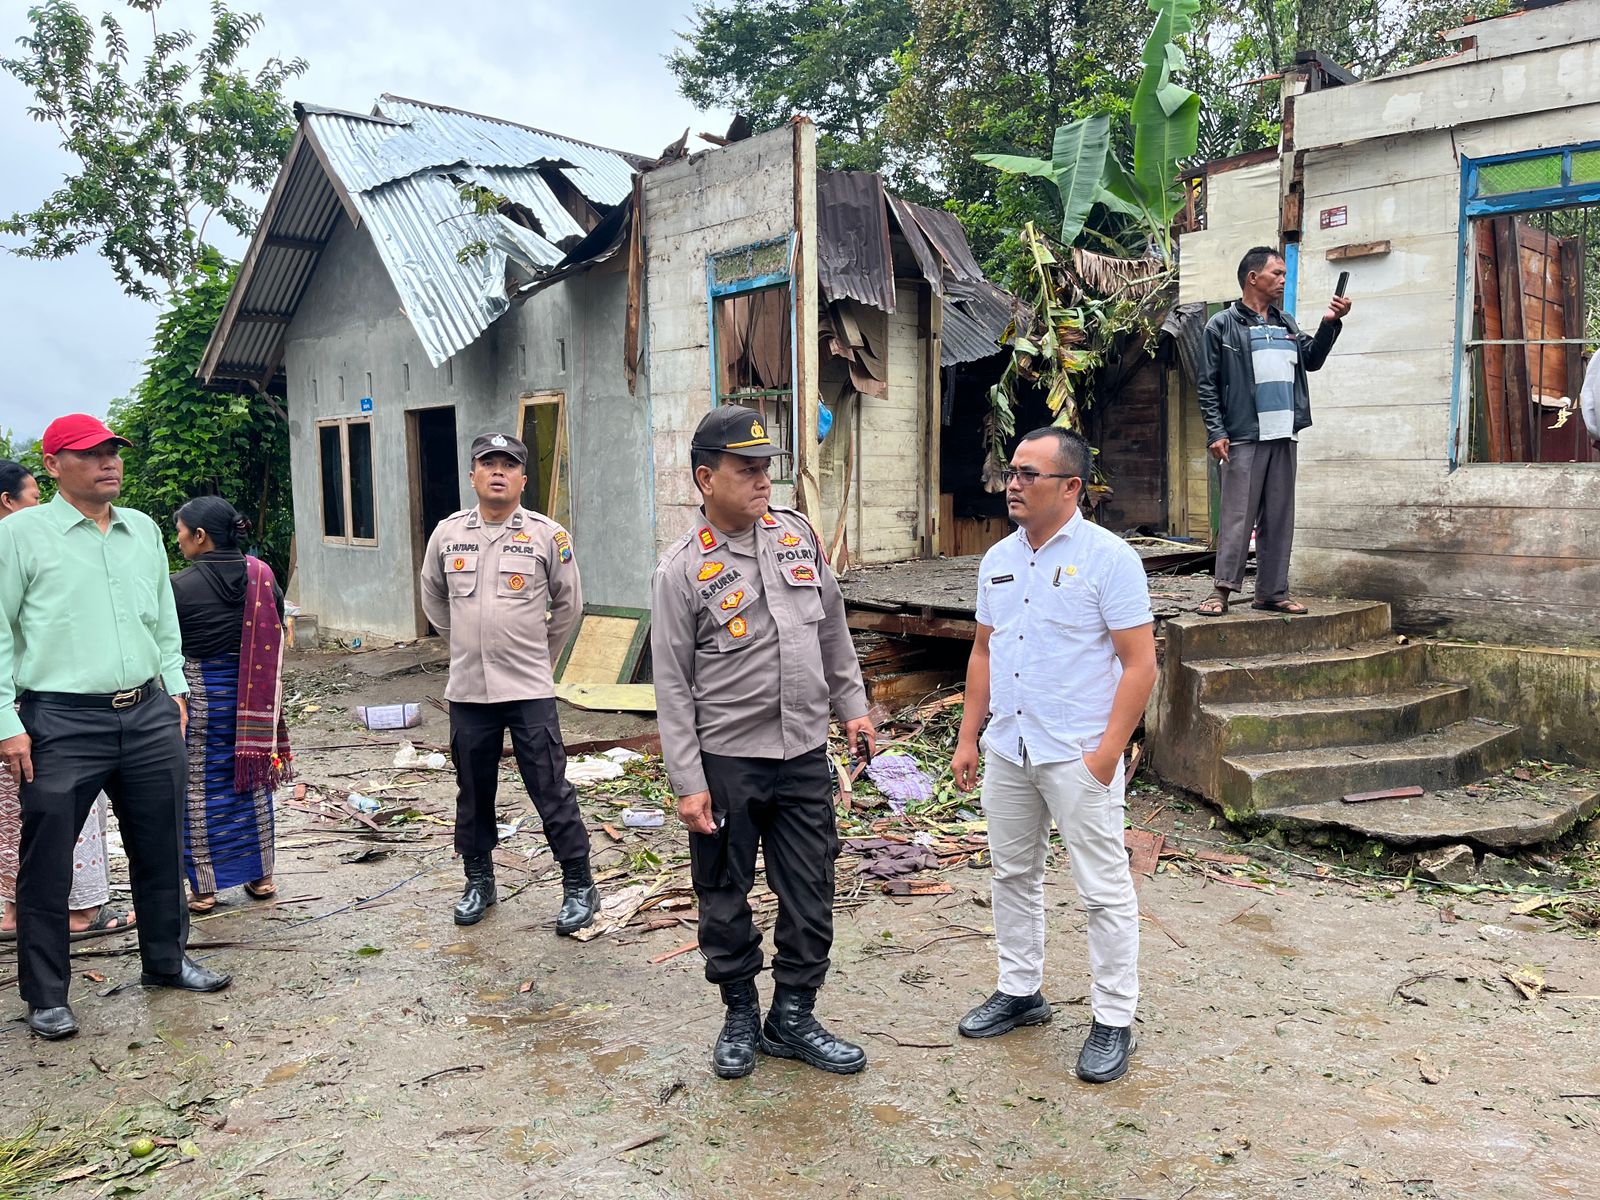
x=1020, y=802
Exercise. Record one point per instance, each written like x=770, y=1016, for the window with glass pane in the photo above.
x=349, y=502
x=363, y=515
x=1520, y=175
x=331, y=441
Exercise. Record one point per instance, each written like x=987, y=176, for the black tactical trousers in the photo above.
x=784, y=808
x=477, y=731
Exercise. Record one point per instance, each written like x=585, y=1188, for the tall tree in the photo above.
x=161, y=146
x=189, y=442
x=833, y=60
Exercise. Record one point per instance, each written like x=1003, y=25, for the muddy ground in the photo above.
x=1336, y=1034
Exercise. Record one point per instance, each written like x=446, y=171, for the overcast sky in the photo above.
x=593, y=70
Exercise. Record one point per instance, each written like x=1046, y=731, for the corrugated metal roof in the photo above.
x=399, y=171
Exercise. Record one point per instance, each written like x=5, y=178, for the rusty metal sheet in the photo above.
x=853, y=256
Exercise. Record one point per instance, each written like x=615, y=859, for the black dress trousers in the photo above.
x=136, y=757
x=783, y=807
x=477, y=731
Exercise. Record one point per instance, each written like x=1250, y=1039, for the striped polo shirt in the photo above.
x=1273, y=355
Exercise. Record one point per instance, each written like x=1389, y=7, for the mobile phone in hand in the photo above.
x=1344, y=280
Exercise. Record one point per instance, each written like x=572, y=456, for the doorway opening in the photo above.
x=435, y=482
x=544, y=432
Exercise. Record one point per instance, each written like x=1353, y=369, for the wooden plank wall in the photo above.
x=1133, y=452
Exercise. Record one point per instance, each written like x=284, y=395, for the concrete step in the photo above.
x=1501, y=814
x=1267, y=726
x=1364, y=670
x=1328, y=625
x=1442, y=758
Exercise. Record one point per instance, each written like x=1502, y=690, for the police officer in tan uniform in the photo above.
x=501, y=585
x=750, y=651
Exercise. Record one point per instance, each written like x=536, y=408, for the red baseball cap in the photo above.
x=77, y=431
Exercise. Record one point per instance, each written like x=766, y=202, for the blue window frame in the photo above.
x=1514, y=185
x=750, y=312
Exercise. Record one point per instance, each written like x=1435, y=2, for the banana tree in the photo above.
x=1077, y=315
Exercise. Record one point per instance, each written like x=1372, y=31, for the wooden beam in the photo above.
x=905, y=623
x=1358, y=250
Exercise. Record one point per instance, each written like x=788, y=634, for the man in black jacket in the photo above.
x=1255, y=402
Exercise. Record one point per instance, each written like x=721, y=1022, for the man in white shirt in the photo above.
x=1589, y=399
x=1062, y=664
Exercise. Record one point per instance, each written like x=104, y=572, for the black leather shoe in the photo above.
x=734, y=1055
x=52, y=1024
x=791, y=1031
x=1105, y=1052
x=479, y=894
x=580, y=899
x=191, y=978
x=1001, y=1013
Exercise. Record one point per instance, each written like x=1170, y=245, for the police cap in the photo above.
x=499, y=443
x=734, y=429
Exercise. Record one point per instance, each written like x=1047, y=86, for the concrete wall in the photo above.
x=707, y=203
x=1488, y=551
x=349, y=325
x=1553, y=694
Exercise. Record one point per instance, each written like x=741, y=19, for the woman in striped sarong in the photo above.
x=230, y=610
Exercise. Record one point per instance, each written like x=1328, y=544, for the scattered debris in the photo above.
x=389, y=716
x=408, y=757
x=584, y=771
x=1451, y=864
x=1395, y=793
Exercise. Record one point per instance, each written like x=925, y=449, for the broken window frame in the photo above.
x=1476, y=202
x=556, y=503
x=345, y=483
x=734, y=283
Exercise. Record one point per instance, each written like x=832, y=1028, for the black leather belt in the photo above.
x=127, y=698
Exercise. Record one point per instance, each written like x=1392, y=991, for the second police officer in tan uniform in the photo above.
x=750, y=650
x=500, y=584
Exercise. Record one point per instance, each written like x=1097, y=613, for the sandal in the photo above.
x=1281, y=606
x=1215, y=605
x=107, y=920
x=202, y=904
x=261, y=891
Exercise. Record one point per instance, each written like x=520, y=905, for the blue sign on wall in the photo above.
x=366, y=404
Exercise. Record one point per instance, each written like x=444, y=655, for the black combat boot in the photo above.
x=790, y=1031
x=580, y=899
x=479, y=893
x=734, y=1055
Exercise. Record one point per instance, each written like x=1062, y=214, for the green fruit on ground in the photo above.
x=141, y=1147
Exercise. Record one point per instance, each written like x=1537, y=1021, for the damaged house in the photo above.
x=422, y=274
x=1448, y=471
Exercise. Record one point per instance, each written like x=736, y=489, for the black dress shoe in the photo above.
x=52, y=1024
x=580, y=899
x=1001, y=1013
x=791, y=1031
x=192, y=977
x=734, y=1055
x=1104, y=1056
x=479, y=894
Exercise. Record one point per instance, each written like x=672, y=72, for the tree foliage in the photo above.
x=189, y=442
x=916, y=88
x=833, y=60
x=161, y=145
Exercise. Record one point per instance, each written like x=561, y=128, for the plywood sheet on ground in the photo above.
x=609, y=697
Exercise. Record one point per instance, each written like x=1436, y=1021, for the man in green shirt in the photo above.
x=90, y=650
